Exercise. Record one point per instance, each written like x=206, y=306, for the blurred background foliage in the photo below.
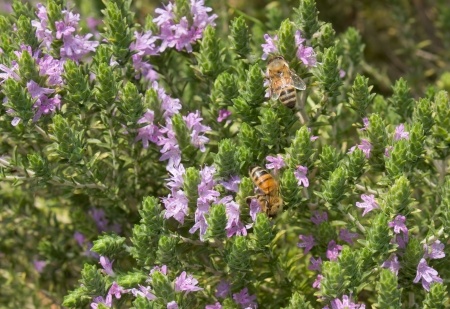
x=403, y=38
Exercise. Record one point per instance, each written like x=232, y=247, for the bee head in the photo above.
x=274, y=57
x=251, y=168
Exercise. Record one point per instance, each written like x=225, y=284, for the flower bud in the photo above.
x=238, y=257
x=263, y=232
x=402, y=99
x=240, y=36
x=389, y=295
x=360, y=96
x=217, y=222
x=306, y=17
x=110, y=245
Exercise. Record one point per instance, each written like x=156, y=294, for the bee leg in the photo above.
x=248, y=200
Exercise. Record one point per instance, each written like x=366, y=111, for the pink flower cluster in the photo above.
x=183, y=283
x=304, y=53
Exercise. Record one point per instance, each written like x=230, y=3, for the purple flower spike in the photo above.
x=116, y=290
x=427, y=274
x=392, y=264
x=347, y=236
x=270, y=46
x=435, y=251
x=189, y=30
x=223, y=289
x=186, y=283
x=100, y=300
x=399, y=224
x=319, y=217
x=333, y=250
x=276, y=163
x=346, y=303
x=232, y=184
x=223, y=114
x=37, y=91
x=107, y=265
x=217, y=305
x=162, y=270
x=400, y=133
x=401, y=231
x=193, y=122
x=316, y=283
x=172, y=305
x=255, y=208
x=305, y=53
x=366, y=124
x=39, y=265
x=100, y=219
x=308, y=242
x=369, y=203
x=143, y=292
x=206, y=195
x=145, y=44
x=315, y=264
x=244, y=299
x=234, y=225
x=79, y=238
x=176, y=206
x=365, y=146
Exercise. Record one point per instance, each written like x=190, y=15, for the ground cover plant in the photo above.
x=126, y=146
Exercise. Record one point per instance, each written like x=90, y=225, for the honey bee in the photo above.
x=283, y=81
x=268, y=197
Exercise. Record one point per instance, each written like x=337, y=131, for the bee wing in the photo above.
x=297, y=82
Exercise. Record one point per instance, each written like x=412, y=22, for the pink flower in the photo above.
x=366, y=124
x=176, y=205
x=39, y=265
x=193, y=123
x=276, y=163
x=346, y=303
x=232, y=184
x=255, y=208
x=107, y=265
x=400, y=133
x=172, y=305
x=316, y=283
x=143, y=292
x=369, y=203
x=435, y=251
x=387, y=151
x=427, y=274
x=333, y=250
x=365, y=146
x=392, y=264
x=186, y=283
x=223, y=114
x=116, y=290
x=305, y=53
x=100, y=300
x=300, y=174
x=270, y=46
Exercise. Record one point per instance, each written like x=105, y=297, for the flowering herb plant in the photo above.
x=125, y=157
